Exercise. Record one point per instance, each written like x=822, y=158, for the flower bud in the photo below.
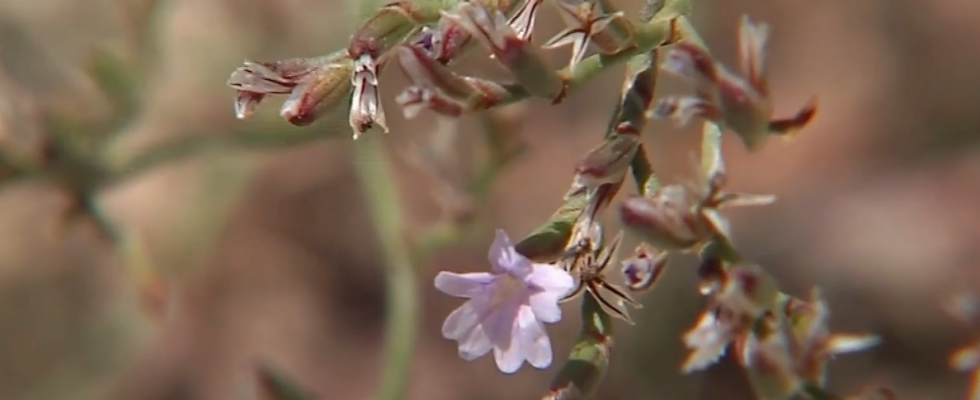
x=366, y=110
x=666, y=220
x=316, y=86
x=741, y=103
x=643, y=270
x=607, y=163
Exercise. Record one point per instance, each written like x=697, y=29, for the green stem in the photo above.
x=402, y=319
x=586, y=365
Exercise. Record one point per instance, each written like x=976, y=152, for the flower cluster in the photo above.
x=783, y=342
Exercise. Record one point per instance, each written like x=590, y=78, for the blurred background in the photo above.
x=269, y=256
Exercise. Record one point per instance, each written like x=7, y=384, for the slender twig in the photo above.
x=401, y=324
x=384, y=206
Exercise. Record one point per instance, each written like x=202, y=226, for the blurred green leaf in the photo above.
x=118, y=82
x=275, y=385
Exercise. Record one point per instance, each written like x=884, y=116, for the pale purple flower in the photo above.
x=507, y=308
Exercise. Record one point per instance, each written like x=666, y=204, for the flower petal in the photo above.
x=499, y=323
x=551, y=279
x=509, y=358
x=545, y=307
x=461, y=321
x=462, y=285
x=534, y=341
x=505, y=258
x=475, y=345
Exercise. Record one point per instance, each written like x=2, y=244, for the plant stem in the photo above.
x=401, y=323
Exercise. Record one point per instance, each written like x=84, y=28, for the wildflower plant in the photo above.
x=783, y=342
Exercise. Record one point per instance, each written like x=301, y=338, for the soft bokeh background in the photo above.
x=270, y=255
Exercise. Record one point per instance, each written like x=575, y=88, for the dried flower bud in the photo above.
x=444, y=42
x=741, y=104
x=747, y=290
x=643, y=270
x=708, y=340
x=315, y=86
x=666, y=220
x=607, y=163
x=494, y=32
x=794, y=345
x=366, y=110
x=438, y=88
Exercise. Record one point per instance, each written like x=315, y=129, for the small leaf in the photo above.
x=548, y=242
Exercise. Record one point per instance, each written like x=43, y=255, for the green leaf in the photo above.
x=275, y=385
x=548, y=242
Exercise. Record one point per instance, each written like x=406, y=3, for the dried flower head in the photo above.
x=587, y=261
x=316, y=86
x=792, y=347
x=740, y=103
x=507, y=308
x=682, y=217
x=744, y=295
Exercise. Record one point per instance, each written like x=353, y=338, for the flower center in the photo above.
x=506, y=288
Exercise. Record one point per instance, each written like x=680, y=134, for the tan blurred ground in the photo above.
x=878, y=205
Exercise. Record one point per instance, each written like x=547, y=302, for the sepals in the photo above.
x=493, y=31
x=316, y=86
x=584, y=25
x=366, y=110
x=588, y=258
x=587, y=24
x=522, y=22
x=741, y=102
